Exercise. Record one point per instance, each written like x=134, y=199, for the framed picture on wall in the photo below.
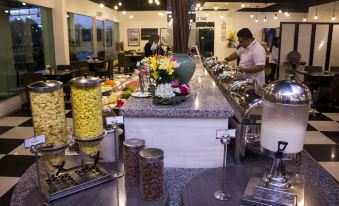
x=147, y=33
x=133, y=37
x=163, y=35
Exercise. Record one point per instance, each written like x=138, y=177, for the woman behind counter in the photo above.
x=153, y=46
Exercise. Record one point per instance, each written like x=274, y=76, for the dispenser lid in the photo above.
x=45, y=86
x=287, y=92
x=151, y=154
x=134, y=143
x=85, y=81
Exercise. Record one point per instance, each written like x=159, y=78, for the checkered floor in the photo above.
x=321, y=141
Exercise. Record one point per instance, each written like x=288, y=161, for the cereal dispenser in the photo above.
x=87, y=113
x=285, y=114
x=49, y=119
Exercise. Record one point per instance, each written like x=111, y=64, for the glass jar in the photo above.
x=87, y=110
x=48, y=112
x=132, y=148
x=151, y=173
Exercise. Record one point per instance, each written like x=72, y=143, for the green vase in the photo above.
x=186, y=69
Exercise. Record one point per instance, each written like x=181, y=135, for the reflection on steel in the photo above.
x=245, y=98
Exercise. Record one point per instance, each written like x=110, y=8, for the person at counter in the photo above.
x=153, y=46
x=274, y=56
x=252, y=56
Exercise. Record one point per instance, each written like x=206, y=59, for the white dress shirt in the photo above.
x=274, y=55
x=254, y=54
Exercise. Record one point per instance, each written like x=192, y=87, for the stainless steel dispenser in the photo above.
x=287, y=103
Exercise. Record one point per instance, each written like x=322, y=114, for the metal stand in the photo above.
x=221, y=194
x=117, y=173
x=35, y=150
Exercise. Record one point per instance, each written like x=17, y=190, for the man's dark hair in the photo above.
x=245, y=33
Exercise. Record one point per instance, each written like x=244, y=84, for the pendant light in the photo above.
x=316, y=14
x=275, y=16
x=333, y=16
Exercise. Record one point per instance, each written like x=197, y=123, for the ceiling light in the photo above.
x=226, y=3
x=287, y=14
x=120, y=4
x=315, y=17
x=131, y=16
x=150, y=1
x=304, y=19
x=243, y=5
x=161, y=14
x=102, y=5
x=215, y=8
x=116, y=7
x=198, y=5
x=6, y=11
x=247, y=5
x=158, y=3
x=206, y=14
x=251, y=15
x=280, y=11
x=222, y=16
x=265, y=19
x=333, y=17
x=200, y=8
x=23, y=3
x=196, y=8
x=124, y=12
x=275, y=16
x=256, y=20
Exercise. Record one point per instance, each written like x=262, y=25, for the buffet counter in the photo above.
x=188, y=129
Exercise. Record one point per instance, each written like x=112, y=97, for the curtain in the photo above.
x=180, y=15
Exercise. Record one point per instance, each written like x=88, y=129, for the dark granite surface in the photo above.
x=205, y=100
x=178, y=178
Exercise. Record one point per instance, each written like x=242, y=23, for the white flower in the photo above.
x=164, y=91
x=177, y=90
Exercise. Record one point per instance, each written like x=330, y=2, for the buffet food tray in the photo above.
x=73, y=181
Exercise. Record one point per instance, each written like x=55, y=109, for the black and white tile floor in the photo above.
x=321, y=141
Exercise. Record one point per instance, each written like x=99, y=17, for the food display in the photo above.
x=131, y=160
x=109, y=83
x=127, y=92
x=48, y=112
x=111, y=99
x=52, y=159
x=151, y=173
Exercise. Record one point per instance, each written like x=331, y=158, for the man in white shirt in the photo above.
x=252, y=56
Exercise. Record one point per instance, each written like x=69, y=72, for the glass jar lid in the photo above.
x=85, y=81
x=134, y=144
x=45, y=86
x=287, y=92
x=151, y=155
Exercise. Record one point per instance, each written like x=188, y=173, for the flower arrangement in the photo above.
x=167, y=89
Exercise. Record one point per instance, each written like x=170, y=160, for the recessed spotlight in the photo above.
x=23, y=3
x=243, y=5
x=198, y=5
x=304, y=19
x=124, y=12
x=222, y=16
x=215, y=8
x=131, y=16
x=256, y=20
x=251, y=15
x=280, y=11
x=200, y=8
x=206, y=14
x=287, y=14
x=116, y=7
x=102, y=5
x=120, y=4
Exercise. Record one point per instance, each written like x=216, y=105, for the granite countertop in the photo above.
x=178, y=178
x=205, y=100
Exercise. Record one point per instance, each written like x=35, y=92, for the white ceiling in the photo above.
x=234, y=5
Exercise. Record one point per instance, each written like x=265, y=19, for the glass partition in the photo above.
x=26, y=44
x=80, y=31
x=100, y=39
